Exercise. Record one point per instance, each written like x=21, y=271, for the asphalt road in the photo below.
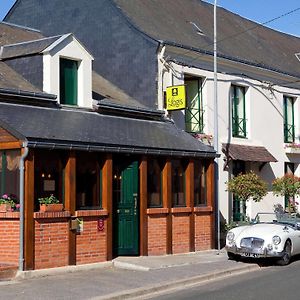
x=272, y=283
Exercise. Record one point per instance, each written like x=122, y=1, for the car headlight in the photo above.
x=276, y=240
x=230, y=236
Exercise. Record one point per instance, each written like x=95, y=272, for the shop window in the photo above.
x=49, y=175
x=68, y=81
x=9, y=172
x=88, y=182
x=200, y=184
x=178, y=183
x=154, y=183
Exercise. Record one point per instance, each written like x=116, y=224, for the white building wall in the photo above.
x=71, y=49
x=264, y=113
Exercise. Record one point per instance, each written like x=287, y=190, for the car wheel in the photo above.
x=232, y=256
x=286, y=258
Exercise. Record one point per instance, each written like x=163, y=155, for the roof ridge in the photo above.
x=20, y=26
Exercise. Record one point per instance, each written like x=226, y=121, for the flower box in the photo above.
x=5, y=207
x=51, y=207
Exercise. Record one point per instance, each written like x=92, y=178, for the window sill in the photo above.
x=91, y=213
x=200, y=209
x=157, y=211
x=178, y=210
x=51, y=215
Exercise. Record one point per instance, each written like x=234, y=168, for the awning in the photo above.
x=247, y=153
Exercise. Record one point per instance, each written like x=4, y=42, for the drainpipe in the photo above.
x=22, y=160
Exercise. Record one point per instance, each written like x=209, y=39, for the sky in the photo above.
x=256, y=10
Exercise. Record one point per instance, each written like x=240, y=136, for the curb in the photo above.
x=61, y=270
x=146, y=291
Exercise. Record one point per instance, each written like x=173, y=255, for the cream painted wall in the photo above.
x=264, y=113
x=69, y=48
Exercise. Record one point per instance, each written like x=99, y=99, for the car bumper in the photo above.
x=256, y=253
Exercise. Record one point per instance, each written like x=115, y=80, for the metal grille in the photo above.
x=253, y=243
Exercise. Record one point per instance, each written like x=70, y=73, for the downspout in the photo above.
x=22, y=168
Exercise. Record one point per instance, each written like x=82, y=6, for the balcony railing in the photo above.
x=239, y=127
x=289, y=133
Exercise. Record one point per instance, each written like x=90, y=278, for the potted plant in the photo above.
x=247, y=186
x=8, y=202
x=50, y=203
x=289, y=187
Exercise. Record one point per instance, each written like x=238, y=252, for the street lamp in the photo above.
x=216, y=126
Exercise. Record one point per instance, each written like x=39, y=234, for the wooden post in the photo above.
x=143, y=208
x=29, y=210
x=189, y=175
x=107, y=178
x=70, y=201
x=210, y=195
x=167, y=201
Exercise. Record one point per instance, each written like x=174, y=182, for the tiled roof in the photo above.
x=11, y=34
x=88, y=130
x=238, y=38
x=248, y=153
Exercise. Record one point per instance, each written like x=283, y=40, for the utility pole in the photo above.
x=216, y=126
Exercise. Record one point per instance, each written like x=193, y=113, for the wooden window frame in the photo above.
x=289, y=128
x=239, y=123
x=199, y=112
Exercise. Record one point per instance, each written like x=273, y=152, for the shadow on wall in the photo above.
x=268, y=176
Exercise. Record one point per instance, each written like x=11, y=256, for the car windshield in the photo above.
x=284, y=218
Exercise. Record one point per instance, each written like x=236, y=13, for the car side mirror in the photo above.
x=298, y=225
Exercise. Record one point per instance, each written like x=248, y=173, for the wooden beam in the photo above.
x=210, y=179
x=189, y=190
x=10, y=145
x=143, y=208
x=28, y=212
x=70, y=201
x=107, y=178
x=167, y=201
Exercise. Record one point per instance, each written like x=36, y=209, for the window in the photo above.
x=238, y=206
x=9, y=172
x=49, y=176
x=289, y=168
x=68, y=81
x=238, y=112
x=88, y=182
x=178, y=183
x=154, y=183
x=200, y=187
x=289, y=126
x=194, y=110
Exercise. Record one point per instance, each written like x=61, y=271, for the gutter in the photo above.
x=22, y=217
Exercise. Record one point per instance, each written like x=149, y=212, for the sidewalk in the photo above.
x=125, y=277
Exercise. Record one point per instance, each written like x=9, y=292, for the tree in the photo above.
x=289, y=187
x=248, y=186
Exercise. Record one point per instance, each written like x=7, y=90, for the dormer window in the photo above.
x=68, y=81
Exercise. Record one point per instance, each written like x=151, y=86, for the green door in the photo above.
x=125, y=201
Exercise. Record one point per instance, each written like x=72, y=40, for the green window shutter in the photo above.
x=289, y=122
x=238, y=112
x=68, y=81
x=194, y=110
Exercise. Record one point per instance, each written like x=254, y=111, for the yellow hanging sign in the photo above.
x=176, y=99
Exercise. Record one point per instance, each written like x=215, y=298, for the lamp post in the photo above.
x=216, y=126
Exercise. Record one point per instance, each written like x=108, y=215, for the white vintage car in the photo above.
x=269, y=235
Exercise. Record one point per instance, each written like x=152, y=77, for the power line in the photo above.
x=206, y=47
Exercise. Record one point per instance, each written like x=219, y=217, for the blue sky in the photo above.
x=256, y=10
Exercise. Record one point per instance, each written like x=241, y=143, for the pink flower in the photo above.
x=5, y=196
x=18, y=206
